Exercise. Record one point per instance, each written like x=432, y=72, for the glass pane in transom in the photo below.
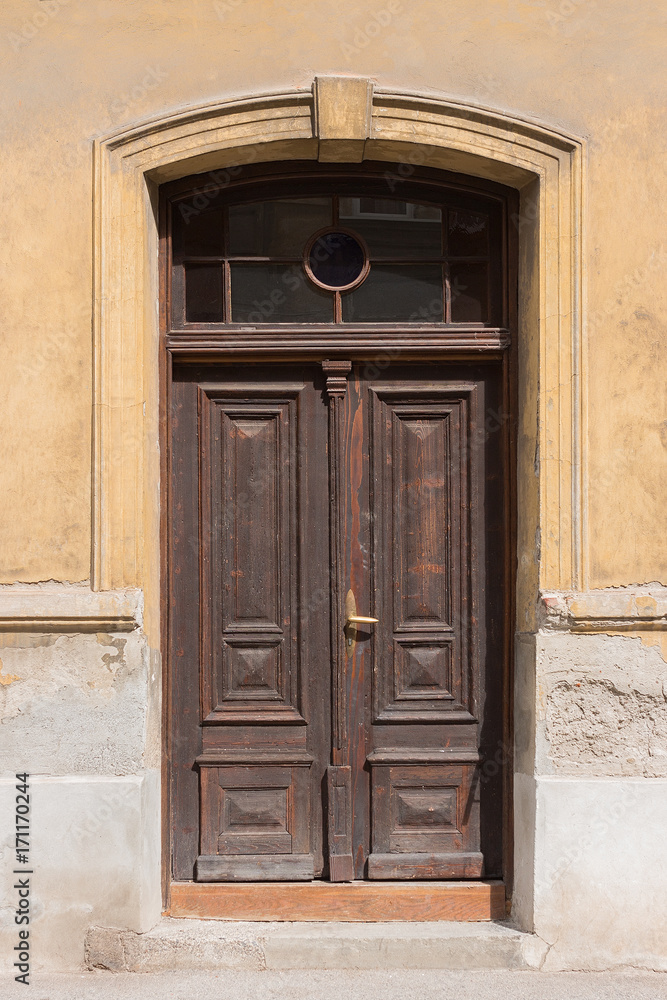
x=278, y=228
x=469, y=289
x=277, y=293
x=203, y=293
x=409, y=293
x=468, y=234
x=197, y=231
x=392, y=228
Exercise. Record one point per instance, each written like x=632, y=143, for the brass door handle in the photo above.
x=352, y=619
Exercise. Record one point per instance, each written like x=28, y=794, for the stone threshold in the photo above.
x=207, y=945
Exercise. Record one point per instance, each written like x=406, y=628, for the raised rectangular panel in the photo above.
x=420, y=506
x=250, y=503
x=254, y=821
x=423, y=512
x=420, y=809
x=252, y=811
x=423, y=670
x=252, y=670
x=425, y=820
x=249, y=810
x=255, y=528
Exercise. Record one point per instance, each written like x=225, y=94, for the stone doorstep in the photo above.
x=207, y=945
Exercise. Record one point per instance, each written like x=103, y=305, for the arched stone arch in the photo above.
x=340, y=119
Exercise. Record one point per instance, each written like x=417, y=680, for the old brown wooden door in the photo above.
x=308, y=493
x=330, y=747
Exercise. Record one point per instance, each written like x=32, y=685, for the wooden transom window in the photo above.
x=339, y=256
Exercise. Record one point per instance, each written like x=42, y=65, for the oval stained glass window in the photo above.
x=336, y=260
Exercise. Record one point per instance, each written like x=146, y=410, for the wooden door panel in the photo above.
x=255, y=814
x=423, y=514
x=419, y=507
x=425, y=820
x=253, y=581
x=428, y=471
x=250, y=495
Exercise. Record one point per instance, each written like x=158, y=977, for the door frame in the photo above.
x=486, y=899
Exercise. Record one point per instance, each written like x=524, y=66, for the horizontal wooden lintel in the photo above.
x=353, y=341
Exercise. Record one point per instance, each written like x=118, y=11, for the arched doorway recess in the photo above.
x=401, y=129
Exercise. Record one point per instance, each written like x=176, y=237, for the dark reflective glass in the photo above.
x=278, y=228
x=197, y=232
x=394, y=228
x=469, y=291
x=277, y=293
x=468, y=234
x=203, y=293
x=397, y=293
x=336, y=259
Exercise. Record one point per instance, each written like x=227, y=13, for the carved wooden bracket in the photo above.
x=336, y=373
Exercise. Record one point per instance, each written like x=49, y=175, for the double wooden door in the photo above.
x=307, y=742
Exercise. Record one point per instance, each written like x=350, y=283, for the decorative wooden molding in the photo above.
x=427, y=755
x=69, y=609
x=272, y=755
x=615, y=609
x=336, y=385
x=336, y=373
x=339, y=775
x=339, y=791
x=354, y=341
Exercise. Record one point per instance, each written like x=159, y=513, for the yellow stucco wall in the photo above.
x=79, y=69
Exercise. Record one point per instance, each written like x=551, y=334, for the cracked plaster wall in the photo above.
x=601, y=706
x=76, y=704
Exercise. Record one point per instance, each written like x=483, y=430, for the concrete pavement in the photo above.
x=433, y=984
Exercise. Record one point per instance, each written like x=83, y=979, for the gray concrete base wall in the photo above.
x=95, y=859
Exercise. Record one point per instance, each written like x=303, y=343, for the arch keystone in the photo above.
x=342, y=111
